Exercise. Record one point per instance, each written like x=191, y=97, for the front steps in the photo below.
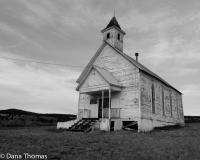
x=83, y=125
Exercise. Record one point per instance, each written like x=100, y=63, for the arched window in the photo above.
x=171, y=103
x=118, y=36
x=163, y=101
x=108, y=35
x=153, y=98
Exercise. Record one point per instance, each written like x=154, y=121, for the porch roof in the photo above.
x=96, y=90
x=106, y=75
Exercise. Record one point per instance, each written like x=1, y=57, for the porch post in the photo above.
x=109, y=110
x=102, y=102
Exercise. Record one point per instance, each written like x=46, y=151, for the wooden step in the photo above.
x=83, y=125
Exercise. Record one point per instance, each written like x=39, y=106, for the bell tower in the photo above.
x=113, y=34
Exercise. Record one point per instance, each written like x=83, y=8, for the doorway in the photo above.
x=112, y=125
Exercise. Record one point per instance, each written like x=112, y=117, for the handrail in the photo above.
x=115, y=112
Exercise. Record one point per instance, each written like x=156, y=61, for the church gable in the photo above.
x=93, y=80
x=112, y=61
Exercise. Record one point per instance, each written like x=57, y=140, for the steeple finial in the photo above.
x=114, y=13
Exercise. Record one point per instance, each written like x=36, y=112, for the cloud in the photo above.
x=35, y=86
x=191, y=98
x=165, y=33
x=38, y=14
x=191, y=90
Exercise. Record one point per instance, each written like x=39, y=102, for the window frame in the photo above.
x=118, y=36
x=153, y=98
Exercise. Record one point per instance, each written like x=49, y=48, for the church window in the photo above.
x=171, y=103
x=153, y=98
x=177, y=105
x=118, y=36
x=163, y=101
x=108, y=35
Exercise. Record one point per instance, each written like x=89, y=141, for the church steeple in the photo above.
x=113, y=34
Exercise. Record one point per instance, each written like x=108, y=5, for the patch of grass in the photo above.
x=175, y=144
x=174, y=127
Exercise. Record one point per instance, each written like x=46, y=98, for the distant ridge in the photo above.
x=17, y=117
x=192, y=119
x=17, y=112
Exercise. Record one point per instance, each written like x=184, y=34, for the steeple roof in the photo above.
x=113, y=22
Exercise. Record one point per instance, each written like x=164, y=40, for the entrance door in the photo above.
x=105, y=105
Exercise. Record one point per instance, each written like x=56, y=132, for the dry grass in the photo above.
x=179, y=144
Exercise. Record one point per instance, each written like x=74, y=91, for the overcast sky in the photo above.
x=165, y=33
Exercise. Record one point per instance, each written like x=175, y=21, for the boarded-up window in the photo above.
x=171, y=103
x=153, y=98
x=177, y=105
x=163, y=101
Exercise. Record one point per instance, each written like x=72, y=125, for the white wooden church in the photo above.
x=117, y=91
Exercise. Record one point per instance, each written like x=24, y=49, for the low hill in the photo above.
x=192, y=119
x=16, y=117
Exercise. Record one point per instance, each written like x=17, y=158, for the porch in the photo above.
x=114, y=113
x=99, y=86
x=100, y=104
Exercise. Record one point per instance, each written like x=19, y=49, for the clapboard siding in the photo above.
x=127, y=75
x=84, y=103
x=93, y=80
x=167, y=113
x=121, y=69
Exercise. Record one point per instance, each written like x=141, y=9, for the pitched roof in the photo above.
x=107, y=76
x=113, y=22
x=130, y=59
